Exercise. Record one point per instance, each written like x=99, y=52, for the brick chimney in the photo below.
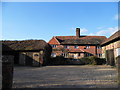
x=77, y=32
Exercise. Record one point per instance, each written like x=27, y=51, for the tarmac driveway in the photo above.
x=72, y=76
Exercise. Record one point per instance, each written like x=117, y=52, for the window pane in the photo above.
x=76, y=46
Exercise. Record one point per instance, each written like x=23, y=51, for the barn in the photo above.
x=111, y=48
x=27, y=52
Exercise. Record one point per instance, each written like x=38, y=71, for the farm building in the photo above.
x=76, y=46
x=111, y=48
x=28, y=52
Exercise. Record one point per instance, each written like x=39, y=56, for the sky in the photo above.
x=43, y=20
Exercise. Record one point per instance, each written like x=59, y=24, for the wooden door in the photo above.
x=22, y=57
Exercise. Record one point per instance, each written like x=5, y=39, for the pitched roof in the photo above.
x=81, y=39
x=115, y=36
x=23, y=45
x=76, y=50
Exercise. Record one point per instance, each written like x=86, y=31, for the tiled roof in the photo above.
x=76, y=50
x=81, y=39
x=116, y=35
x=23, y=45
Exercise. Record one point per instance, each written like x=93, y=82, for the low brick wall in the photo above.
x=7, y=71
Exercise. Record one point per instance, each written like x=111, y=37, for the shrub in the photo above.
x=84, y=60
x=101, y=61
x=71, y=61
x=97, y=61
x=59, y=60
x=92, y=60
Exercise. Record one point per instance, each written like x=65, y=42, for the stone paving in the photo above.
x=72, y=76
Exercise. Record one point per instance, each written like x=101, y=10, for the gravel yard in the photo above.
x=71, y=76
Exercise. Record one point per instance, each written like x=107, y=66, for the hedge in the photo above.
x=92, y=60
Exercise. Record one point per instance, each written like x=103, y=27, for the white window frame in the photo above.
x=98, y=47
x=65, y=55
x=53, y=54
x=76, y=46
x=66, y=46
x=87, y=46
x=99, y=55
x=54, y=46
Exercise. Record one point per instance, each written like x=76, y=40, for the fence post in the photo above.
x=118, y=60
x=7, y=71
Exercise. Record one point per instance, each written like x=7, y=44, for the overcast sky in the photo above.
x=43, y=20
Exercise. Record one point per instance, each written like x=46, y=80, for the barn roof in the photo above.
x=115, y=36
x=81, y=39
x=23, y=45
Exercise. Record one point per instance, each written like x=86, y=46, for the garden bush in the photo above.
x=59, y=60
x=93, y=60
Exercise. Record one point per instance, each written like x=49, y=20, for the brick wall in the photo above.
x=53, y=41
x=110, y=46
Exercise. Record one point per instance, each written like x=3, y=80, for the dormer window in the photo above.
x=53, y=46
x=76, y=46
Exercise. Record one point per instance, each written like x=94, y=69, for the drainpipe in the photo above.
x=96, y=50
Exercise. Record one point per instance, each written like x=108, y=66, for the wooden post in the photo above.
x=118, y=65
x=7, y=71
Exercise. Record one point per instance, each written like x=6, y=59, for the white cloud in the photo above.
x=101, y=31
x=112, y=30
x=116, y=17
x=106, y=32
x=100, y=27
x=83, y=30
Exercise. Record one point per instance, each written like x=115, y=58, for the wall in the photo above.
x=114, y=46
x=27, y=58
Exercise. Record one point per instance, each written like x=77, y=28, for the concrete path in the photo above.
x=71, y=76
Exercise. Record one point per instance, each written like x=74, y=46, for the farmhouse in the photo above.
x=111, y=48
x=76, y=46
x=28, y=52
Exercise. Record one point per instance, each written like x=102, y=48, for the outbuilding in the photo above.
x=111, y=48
x=28, y=52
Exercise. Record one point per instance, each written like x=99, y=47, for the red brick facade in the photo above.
x=76, y=46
